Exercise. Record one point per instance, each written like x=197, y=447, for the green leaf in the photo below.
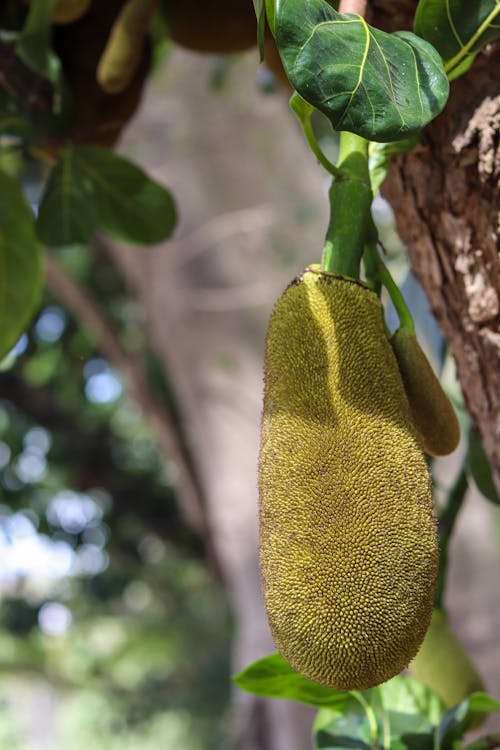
x=271, y=14
x=480, y=469
x=68, y=210
x=401, y=714
x=404, y=695
x=463, y=717
x=272, y=677
x=458, y=29
x=20, y=264
x=33, y=44
x=260, y=12
x=380, y=156
x=343, y=731
x=131, y=206
x=384, y=87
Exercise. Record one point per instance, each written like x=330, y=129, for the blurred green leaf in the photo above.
x=34, y=42
x=272, y=677
x=343, y=730
x=458, y=29
x=92, y=188
x=13, y=124
x=480, y=469
x=260, y=12
x=131, y=206
x=68, y=211
x=384, y=87
x=404, y=695
x=463, y=717
x=21, y=264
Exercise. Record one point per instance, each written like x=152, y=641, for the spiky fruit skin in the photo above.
x=212, y=26
x=431, y=409
x=348, y=541
x=443, y=664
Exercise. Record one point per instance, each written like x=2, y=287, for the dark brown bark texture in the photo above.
x=446, y=200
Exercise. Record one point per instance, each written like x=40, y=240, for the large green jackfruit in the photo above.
x=348, y=546
x=443, y=664
x=431, y=409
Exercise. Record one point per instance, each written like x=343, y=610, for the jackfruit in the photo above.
x=123, y=50
x=213, y=26
x=431, y=409
x=348, y=539
x=95, y=116
x=443, y=664
x=68, y=11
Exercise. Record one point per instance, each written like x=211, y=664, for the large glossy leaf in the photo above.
x=384, y=87
x=131, y=206
x=273, y=677
x=20, y=264
x=458, y=29
x=68, y=211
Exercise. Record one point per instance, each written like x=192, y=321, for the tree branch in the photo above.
x=354, y=6
x=79, y=302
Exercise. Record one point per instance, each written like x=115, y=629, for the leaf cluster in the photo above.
x=401, y=714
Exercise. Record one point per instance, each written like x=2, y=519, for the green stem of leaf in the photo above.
x=447, y=519
x=370, y=714
x=303, y=112
x=350, y=199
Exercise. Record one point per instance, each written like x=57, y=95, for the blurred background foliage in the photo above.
x=105, y=594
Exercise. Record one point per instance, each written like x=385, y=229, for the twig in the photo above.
x=354, y=6
x=221, y=228
x=87, y=311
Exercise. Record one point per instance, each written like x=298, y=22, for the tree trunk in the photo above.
x=445, y=198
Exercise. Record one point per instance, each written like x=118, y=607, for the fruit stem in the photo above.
x=350, y=199
x=447, y=518
x=405, y=317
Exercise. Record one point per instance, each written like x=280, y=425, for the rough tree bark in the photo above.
x=446, y=200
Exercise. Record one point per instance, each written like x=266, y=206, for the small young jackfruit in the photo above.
x=211, y=26
x=123, y=51
x=348, y=540
x=68, y=11
x=443, y=664
x=431, y=409
x=95, y=116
